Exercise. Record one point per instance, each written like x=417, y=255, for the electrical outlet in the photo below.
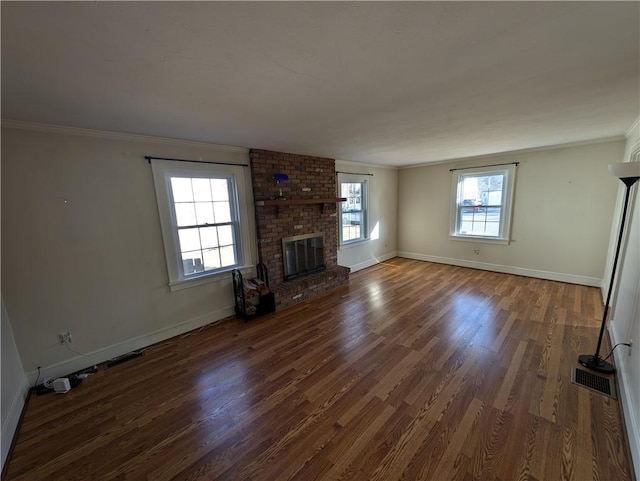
x=65, y=337
x=630, y=345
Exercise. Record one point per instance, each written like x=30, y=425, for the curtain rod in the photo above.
x=150, y=158
x=482, y=166
x=352, y=173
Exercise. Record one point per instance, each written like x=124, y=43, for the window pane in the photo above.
x=211, y=259
x=350, y=232
x=480, y=221
x=209, y=237
x=477, y=228
x=201, y=190
x=225, y=235
x=355, y=197
x=189, y=239
x=181, y=188
x=480, y=190
x=483, y=182
x=222, y=212
x=220, y=189
x=466, y=213
x=495, y=198
x=493, y=214
x=204, y=213
x=227, y=256
x=495, y=182
x=185, y=214
x=353, y=192
x=353, y=218
x=492, y=229
x=192, y=262
x=465, y=227
x=469, y=187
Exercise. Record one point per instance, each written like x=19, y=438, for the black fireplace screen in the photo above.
x=303, y=254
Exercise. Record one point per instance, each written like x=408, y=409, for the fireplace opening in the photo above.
x=303, y=254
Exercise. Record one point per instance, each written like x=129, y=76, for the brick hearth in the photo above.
x=309, y=178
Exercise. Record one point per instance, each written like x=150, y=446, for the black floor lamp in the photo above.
x=629, y=173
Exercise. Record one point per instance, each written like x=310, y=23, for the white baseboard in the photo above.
x=629, y=414
x=519, y=271
x=604, y=289
x=372, y=262
x=78, y=363
x=10, y=423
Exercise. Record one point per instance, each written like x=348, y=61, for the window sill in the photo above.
x=207, y=278
x=484, y=240
x=352, y=244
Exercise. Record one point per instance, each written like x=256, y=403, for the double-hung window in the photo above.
x=482, y=203
x=353, y=211
x=200, y=214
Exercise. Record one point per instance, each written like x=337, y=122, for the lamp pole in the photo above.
x=629, y=173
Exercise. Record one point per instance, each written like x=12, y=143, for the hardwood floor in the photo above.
x=414, y=371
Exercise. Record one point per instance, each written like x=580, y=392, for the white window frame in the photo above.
x=163, y=170
x=504, y=235
x=354, y=179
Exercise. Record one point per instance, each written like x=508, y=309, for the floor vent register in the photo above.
x=595, y=382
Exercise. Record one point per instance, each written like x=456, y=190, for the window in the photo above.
x=353, y=212
x=206, y=221
x=200, y=218
x=481, y=206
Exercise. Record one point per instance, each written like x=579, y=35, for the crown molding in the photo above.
x=60, y=129
x=634, y=126
x=353, y=163
x=510, y=153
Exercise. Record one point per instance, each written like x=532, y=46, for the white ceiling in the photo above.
x=392, y=83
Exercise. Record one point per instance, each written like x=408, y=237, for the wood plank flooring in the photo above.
x=414, y=371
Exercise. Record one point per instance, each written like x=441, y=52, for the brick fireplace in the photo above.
x=310, y=179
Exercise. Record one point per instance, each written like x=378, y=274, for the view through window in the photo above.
x=204, y=218
x=482, y=205
x=352, y=212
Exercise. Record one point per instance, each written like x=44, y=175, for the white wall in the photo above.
x=82, y=248
x=625, y=310
x=14, y=386
x=383, y=212
x=564, y=200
